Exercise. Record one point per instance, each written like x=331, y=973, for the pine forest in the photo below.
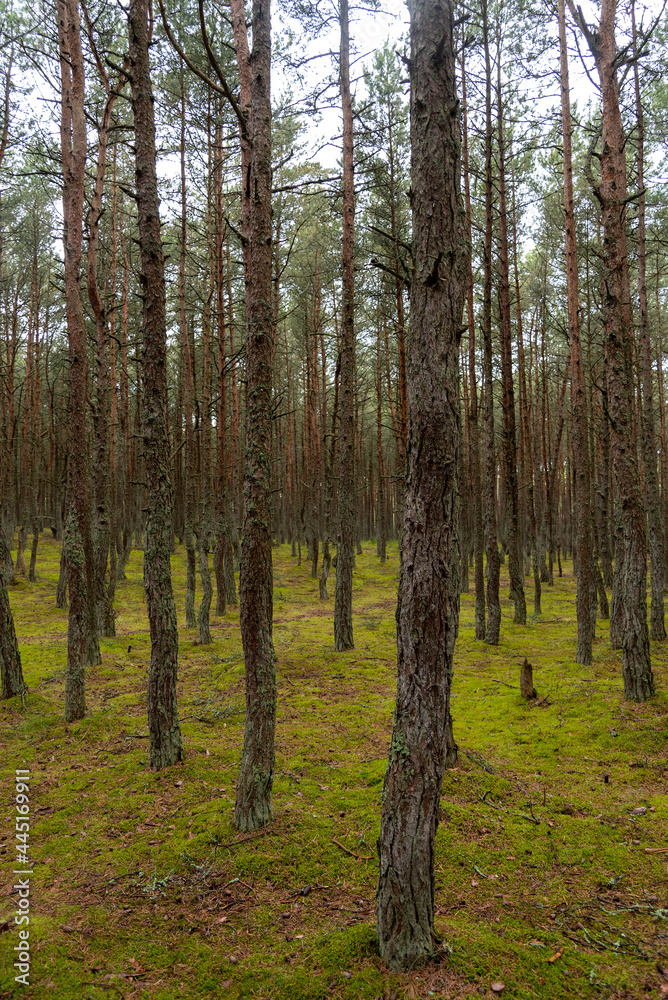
x=333, y=499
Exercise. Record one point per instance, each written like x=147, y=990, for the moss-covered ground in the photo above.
x=551, y=857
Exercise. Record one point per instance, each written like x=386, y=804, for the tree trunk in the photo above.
x=578, y=391
x=476, y=496
x=166, y=746
x=657, y=628
x=381, y=529
x=618, y=344
x=491, y=543
x=101, y=469
x=427, y=612
x=10, y=657
x=508, y=392
x=253, y=800
x=189, y=391
x=347, y=512
x=81, y=632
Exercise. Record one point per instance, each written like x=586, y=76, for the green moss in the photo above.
x=580, y=878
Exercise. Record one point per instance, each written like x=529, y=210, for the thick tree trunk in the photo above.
x=618, y=344
x=166, y=746
x=427, y=612
x=253, y=800
x=347, y=493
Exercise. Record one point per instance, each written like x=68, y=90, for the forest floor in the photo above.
x=551, y=855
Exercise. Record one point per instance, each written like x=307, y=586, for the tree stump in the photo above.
x=527, y=689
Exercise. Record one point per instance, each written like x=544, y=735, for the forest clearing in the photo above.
x=552, y=839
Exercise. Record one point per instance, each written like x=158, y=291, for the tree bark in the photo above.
x=253, y=800
x=508, y=393
x=578, y=390
x=657, y=627
x=491, y=541
x=10, y=657
x=166, y=746
x=347, y=513
x=618, y=344
x=427, y=612
x=476, y=496
x=188, y=392
x=82, y=645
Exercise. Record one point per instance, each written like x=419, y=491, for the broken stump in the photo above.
x=527, y=690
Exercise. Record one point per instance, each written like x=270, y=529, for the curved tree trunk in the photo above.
x=427, y=612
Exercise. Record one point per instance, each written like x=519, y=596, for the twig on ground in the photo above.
x=360, y=857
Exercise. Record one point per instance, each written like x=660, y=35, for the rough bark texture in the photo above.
x=578, y=391
x=166, y=746
x=619, y=349
x=343, y=597
x=657, y=627
x=476, y=497
x=493, y=628
x=253, y=800
x=207, y=591
x=508, y=392
x=527, y=690
x=189, y=391
x=381, y=528
x=427, y=612
x=10, y=657
x=81, y=631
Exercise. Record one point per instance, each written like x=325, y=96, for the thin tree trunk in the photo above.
x=347, y=513
x=657, y=628
x=381, y=529
x=491, y=543
x=578, y=390
x=509, y=435
x=476, y=498
x=101, y=477
x=81, y=632
x=166, y=746
x=189, y=390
